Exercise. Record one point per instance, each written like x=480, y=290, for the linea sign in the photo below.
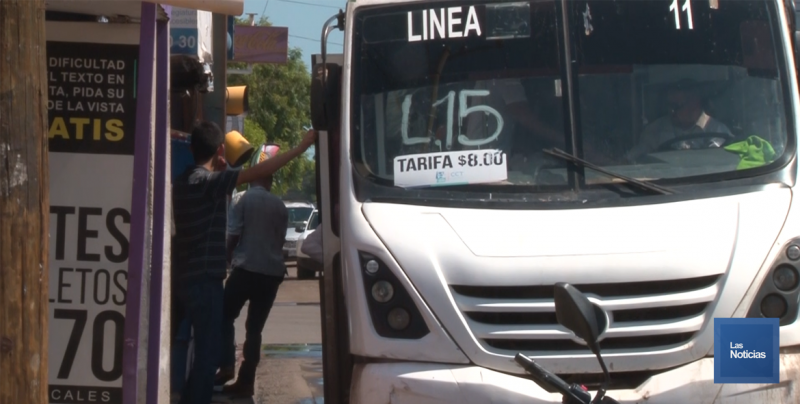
x=91, y=126
x=746, y=350
x=190, y=33
x=254, y=44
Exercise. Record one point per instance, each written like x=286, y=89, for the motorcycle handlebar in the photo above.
x=572, y=394
x=542, y=376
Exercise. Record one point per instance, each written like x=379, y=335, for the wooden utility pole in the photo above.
x=24, y=203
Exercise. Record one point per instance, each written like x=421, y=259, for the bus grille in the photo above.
x=642, y=315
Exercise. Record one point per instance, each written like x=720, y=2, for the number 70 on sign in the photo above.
x=97, y=343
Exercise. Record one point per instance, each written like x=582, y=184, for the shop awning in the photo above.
x=132, y=8
x=108, y=8
x=227, y=7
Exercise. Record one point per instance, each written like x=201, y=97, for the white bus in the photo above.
x=481, y=151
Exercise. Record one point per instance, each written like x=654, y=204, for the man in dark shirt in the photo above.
x=199, y=198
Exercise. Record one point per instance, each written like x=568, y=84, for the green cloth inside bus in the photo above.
x=754, y=152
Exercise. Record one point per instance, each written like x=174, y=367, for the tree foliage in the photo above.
x=279, y=97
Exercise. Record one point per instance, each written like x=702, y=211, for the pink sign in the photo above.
x=265, y=151
x=260, y=44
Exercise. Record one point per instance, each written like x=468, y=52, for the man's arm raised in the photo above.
x=270, y=166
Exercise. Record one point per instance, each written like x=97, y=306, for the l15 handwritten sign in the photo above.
x=92, y=119
x=261, y=44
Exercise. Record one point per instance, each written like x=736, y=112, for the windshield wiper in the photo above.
x=633, y=181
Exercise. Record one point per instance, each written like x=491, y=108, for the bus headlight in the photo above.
x=773, y=306
x=391, y=308
x=382, y=291
x=779, y=295
x=372, y=267
x=793, y=252
x=399, y=319
x=785, y=277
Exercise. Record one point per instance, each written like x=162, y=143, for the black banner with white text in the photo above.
x=91, y=97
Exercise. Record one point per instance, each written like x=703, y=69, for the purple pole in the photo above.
x=137, y=261
x=159, y=202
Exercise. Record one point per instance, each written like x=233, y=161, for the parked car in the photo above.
x=299, y=213
x=307, y=268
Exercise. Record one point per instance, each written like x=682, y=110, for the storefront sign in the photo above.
x=261, y=44
x=190, y=33
x=91, y=117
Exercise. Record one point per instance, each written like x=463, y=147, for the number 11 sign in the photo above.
x=676, y=9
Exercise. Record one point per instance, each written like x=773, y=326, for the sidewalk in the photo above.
x=290, y=370
x=287, y=374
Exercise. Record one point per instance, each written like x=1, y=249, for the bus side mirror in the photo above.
x=325, y=96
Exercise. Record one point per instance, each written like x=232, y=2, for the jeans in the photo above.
x=260, y=290
x=180, y=354
x=202, y=300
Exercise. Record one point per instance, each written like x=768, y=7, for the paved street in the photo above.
x=290, y=371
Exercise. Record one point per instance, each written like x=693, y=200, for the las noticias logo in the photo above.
x=746, y=354
x=746, y=350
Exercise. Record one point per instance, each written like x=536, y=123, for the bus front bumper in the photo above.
x=422, y=383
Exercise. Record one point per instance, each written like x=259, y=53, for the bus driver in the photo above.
x=687, y=116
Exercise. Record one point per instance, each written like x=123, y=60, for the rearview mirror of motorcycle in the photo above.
x=579, y=315
x=584, y=318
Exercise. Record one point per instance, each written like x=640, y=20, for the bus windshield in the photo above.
x=469, y=93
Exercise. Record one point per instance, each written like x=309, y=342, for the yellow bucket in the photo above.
x=237, y=149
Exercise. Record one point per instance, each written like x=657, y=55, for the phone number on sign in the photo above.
x=485, y=159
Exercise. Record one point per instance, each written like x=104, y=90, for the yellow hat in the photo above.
x=237, y=149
